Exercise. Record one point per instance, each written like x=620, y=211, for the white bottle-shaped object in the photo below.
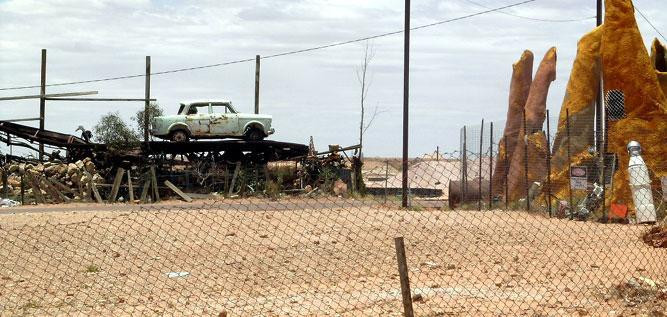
x=640, y=185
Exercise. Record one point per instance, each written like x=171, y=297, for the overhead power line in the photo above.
x=531, y=18
x=650, y=23
x=278, y=54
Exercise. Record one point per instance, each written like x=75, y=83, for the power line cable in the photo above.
x=531, y=18
x=278, y=54
x=649, y=22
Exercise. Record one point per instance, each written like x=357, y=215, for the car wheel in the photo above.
x=179, y=136
x=254, y=135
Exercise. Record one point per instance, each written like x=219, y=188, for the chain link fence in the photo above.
x=489, y=231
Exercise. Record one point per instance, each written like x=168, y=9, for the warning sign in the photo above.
x=579, y=177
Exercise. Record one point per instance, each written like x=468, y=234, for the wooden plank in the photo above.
x=403, y=273
x=52, y=191
x=129, y=186
x=55, y=190
x=236, y=174
x=156, y=193
x=23, y=119
x=67, y=94
x=178, y=191
x=93, y=188
x=144, y=191
x=62, y=186
x=35, y=189
x=120, y=172
x=98, y=99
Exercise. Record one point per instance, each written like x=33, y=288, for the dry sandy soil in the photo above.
x=321, y=260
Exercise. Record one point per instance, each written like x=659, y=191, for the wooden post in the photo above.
x=147, y=101
x=156, y=193
x=144, y=191
x=5, y=189
x=178, y=191
x=236, y=174
x=22, y=191
x=42, y=102
x=116, y=184
x=130, y=189
x=405, y=280
x=257, y=58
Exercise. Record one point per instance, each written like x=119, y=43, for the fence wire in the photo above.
x=480, y=240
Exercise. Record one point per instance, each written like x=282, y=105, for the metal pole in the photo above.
x=42, y=102
x=525, y=162
x=437, y=153
x=479, y=187
x=403, y=273
x=507, y=169
x=257, y=58
x=406, y=101
x=386, y=181
x=148, y=96
x=548, y=165
x=491, y=167
x=464, y=178
x=569, y=162
x=602, y=121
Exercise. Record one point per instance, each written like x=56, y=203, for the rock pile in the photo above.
x=54, y=180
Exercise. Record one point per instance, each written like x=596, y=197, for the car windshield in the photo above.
x=180, y=109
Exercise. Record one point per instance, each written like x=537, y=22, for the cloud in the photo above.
x=460, y=70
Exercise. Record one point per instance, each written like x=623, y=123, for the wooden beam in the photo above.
x=21, y=120
x=57, y=192
x=35, y=189
x=120, y=172
x=99, y=99
x=236, y=174
x=42, y=102
x=47, y=96
x=129, y=186
x=144, y=191
x=62, y=186
x=156, y=193
x=178, y=191
x=93, y=187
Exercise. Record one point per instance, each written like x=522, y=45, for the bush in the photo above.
x=154, y=110
x=114, y=132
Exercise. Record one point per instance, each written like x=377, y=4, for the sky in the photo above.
x=460, y=71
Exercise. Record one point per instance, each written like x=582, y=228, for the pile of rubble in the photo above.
x=656, y=237
x=53, y=181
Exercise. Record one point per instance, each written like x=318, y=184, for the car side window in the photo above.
x=197, y=108
x=221, y=108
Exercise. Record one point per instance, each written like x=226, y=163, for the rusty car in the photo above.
x=211, y=119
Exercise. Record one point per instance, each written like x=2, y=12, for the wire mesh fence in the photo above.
x=496, y=229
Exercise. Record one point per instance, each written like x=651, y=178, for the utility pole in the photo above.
x=406, y=101
x=257, y=58
x=147, y=101
x=42, y=102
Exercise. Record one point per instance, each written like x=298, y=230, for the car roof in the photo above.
x=190, y=102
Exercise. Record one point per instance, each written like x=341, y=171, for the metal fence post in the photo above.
x=464, y=176
x=569, y=162
x=525, y=162
x=405, y=280
x=549, y=166
x=386, y=180
x=479, y=187
x=491, y=166
x=507, y=168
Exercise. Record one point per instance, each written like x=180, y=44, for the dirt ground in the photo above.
x=305, y=257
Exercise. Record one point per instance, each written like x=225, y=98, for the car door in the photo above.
x=224, y=121
x=198, y=119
